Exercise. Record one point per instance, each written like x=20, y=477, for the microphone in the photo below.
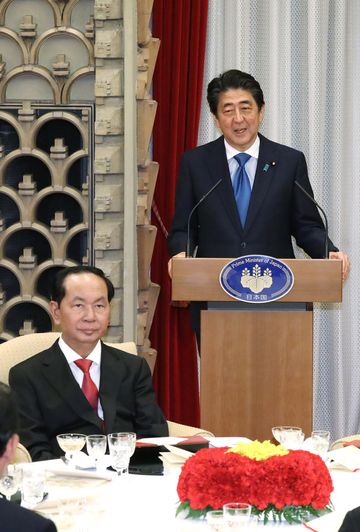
x=194, y=209
x=326, y=246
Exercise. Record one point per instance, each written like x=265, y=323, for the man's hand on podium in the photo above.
x=179, y=304
x=182, y=255
x=345, y=262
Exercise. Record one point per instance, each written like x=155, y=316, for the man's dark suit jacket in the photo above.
x=351, y=521
x=14, y=518
x=51, y=402
x=277, y=211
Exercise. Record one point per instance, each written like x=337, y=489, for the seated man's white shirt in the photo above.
x=94, y=356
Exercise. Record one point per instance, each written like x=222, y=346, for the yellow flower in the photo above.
x=257, y=450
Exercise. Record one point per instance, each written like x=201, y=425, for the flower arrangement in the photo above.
x=282, y=484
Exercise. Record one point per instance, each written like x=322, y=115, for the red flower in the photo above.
x=213, y=477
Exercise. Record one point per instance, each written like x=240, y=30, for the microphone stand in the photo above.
x=326, y=246
x=192, y=212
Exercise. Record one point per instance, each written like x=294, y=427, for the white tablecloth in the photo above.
x=149, y=503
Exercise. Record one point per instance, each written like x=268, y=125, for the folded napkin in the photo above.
x=156, y=442
x=68, y=498
x=345, y=457
x=82, y=460
x=175, y=456
x=177, y=451
x=326, y=523
x=171, y=459
x=227, y=441
x=58, y=468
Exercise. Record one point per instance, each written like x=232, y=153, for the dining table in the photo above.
x=84, y=500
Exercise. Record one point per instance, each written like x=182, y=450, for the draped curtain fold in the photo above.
x=177, y=87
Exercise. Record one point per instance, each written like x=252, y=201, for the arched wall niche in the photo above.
x=78, y=13
x=39, y=86
x=15, y=52
x=80, y=86
x=46, y=49
x=10, y=133
x=70, y=35
x=43, y=12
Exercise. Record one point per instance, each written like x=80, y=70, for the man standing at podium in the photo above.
x=240, y=194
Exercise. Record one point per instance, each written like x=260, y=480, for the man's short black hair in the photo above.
x=58, y=288
x=233, y=79
x=8, y=416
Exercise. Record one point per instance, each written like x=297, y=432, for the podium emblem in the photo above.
x=256, y=279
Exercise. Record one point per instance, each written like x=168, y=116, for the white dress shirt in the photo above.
x=95, y=356
x=250, y=165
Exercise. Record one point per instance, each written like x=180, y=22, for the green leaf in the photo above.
x=291, y=514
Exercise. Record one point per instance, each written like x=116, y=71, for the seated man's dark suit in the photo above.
x=351, y=521
x=51, y=402
x=14, y=518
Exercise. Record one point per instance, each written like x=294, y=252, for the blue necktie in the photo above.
x=241, y=185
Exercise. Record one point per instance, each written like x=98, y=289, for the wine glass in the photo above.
x=121, y=447
x=71, y=443
x=10, y=481
x=96, y=446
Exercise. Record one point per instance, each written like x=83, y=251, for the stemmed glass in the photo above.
x=121, y=447
x=70, y=444
x=10, y=481
x=96, y=446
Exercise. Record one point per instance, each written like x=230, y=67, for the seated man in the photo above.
x=80, y=384
x=351, y=521
x=14, y=518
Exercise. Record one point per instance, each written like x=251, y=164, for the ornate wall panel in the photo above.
x=46, y=153
x=62, y=141
x=148, y=48
x=44, y=207
x=109, y=151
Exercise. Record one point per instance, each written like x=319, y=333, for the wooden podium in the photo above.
x=256, y=368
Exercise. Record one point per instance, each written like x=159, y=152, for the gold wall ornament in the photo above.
x=27, y=27
x=61, y=66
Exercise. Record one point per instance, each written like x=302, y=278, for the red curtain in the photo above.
x=177, y=87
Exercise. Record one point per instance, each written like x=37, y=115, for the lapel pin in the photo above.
x=266, y=167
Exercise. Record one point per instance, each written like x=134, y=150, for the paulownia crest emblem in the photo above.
x=257, y=280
